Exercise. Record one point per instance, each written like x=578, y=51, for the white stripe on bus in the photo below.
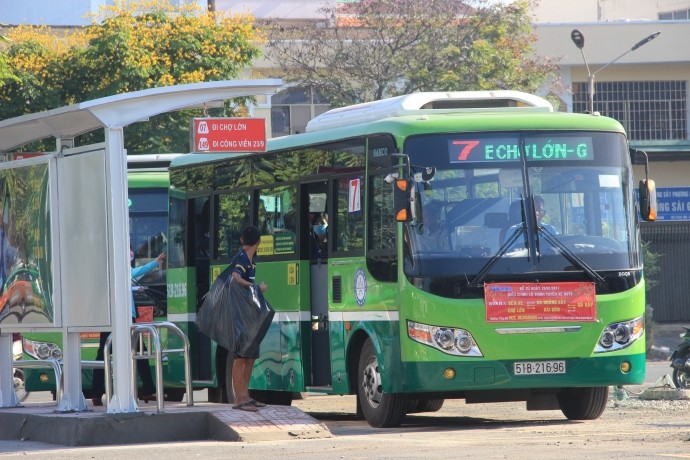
x=295, y=316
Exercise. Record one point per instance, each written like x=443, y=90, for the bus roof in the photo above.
x=402, y=122
x=427, y=103
x=150, y=162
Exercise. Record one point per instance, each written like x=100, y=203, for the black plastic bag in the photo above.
x=234, y=316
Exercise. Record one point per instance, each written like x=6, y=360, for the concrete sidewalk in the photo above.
x=203, y=421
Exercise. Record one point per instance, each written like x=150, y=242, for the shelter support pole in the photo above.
x=8, y=397
x=124, y=399
x=72, y=396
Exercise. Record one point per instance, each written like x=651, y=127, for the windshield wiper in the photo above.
x=477, y=280
x=571, y=256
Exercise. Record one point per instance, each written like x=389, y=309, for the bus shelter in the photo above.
x=71, y=213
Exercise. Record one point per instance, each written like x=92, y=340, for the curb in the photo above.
x=218, y=422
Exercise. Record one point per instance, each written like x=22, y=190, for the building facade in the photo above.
x=647, y=90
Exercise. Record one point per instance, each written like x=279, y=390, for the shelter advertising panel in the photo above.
x=25, y=246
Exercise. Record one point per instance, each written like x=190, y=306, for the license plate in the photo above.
x=538, y=367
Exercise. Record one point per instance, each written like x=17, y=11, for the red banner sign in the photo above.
x=522, y=302
x=214, y=135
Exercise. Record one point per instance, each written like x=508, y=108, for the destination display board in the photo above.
x=218, y=135
x=507, y=148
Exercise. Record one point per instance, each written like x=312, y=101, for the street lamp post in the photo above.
x=579, y=40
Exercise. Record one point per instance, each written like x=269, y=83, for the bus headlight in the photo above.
x=444, y=338
x=451, y=340
x=620, y=335
x=41, y=350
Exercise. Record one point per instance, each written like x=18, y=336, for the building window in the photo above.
x=649, y=110
x=292, y=109
x=675, y=15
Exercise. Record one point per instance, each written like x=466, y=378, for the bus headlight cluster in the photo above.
x=451, y=340
x=41, y=350
x=620, y=335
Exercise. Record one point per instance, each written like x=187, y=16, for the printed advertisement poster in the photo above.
x=523, y=302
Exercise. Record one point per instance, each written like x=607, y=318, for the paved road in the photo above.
x=630, y=429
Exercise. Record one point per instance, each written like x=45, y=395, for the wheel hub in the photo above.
x=371, y=383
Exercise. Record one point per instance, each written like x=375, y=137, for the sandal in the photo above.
x=246, y=406
x=256, y=403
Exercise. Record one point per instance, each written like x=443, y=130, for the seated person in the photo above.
x=540, y=211
x=434, y=236
x=514, y=218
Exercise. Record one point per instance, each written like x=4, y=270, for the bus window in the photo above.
x=232, y=216
x=276, y=220
x=349, y=224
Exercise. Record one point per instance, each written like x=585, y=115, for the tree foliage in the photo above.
x=129, y=46
x=373, y=49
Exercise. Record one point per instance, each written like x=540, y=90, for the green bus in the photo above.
x=479, y=246
x=148, y=185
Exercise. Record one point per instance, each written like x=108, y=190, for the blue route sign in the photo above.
x=673, y=203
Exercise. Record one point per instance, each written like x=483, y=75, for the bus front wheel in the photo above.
x=583, y=403
x=382, y=410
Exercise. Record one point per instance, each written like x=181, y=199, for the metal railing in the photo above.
x=42, y=364
x=154, y=350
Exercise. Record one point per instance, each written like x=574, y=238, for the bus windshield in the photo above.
x=148, y=224
x=532, y=203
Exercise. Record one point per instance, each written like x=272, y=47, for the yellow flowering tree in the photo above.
x=129, y=46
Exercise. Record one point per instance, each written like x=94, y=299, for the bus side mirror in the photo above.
x=648, y=200
x=401, y=200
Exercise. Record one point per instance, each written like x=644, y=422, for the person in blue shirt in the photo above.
x=540, y=211
x=148, y=390
x=244, y=274
x=318, y=236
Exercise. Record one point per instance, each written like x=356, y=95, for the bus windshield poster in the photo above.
x=524, y=302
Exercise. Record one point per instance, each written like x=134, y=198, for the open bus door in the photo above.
x=315, y=217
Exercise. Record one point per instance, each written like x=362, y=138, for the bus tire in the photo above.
x=583, y=403
x=381, y=410
x=415, y=406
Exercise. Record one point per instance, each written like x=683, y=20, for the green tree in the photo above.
x=131, y=45
x=373, y=49
x=6, y=73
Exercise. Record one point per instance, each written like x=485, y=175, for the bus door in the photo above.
x=315, y=217
x=199, y=225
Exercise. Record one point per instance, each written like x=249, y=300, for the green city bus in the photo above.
x=148, y=184
x=532, y=290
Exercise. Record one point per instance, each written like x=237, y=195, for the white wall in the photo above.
x=555, y=11
x=548, y=11
x=283, y=9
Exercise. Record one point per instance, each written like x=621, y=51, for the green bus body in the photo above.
x=373, y=298
x=354, y=322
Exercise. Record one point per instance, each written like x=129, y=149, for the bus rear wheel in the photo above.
x=381, y=410
x=583, y=403
x=415, y=406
